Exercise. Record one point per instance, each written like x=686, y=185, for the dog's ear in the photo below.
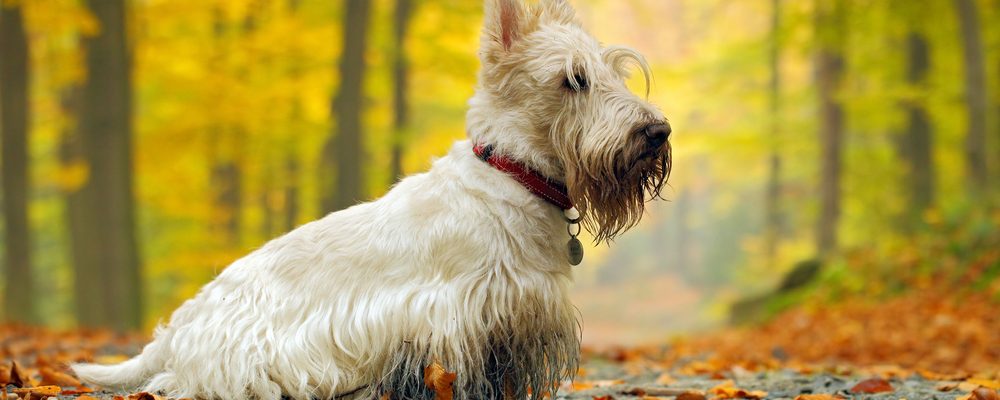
x=558, y=11
x=505, y=22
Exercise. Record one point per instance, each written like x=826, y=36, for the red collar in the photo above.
x=553, y=192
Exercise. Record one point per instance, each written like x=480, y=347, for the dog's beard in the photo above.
x=612, y=194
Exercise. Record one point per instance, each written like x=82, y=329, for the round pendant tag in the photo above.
x=575, y=251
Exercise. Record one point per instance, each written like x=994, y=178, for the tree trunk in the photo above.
x=975, y=96
x=267, y=211
x=226, y=175
x=15, y=110
x=772, y=202
x=829, y=73
x=87, y=278
x=227, y=179
x=291, y=193
x=915, y=144
x=290, y=168
x=404, y=8
x=343, y=152
x=105, y=128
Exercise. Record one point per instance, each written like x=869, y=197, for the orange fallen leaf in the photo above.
x=78, y=390
x=691, y=396
x=967, y=386
x=17, y=378
x=986, y=383
x=4, y=375
x=38, y=391
x=86, y=397
x=818, y=397
x=874, y=385
x=440, y=381
x=56, y=378
x=605, y=397
x=584, y=385
x=144, y=396
x=726, y=390
x=984, y=393
x=936, y=376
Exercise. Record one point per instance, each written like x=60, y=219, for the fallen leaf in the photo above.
x=986, y=383
x=607, y=383
x=946, y=386
x=726, y=390
x=984, y=393
x=145, y=396
x=16, y=376
x=56, y=378
x=86, y=397
x=38, y=391
x=664, y=379
x=78, y=390
x=874, y=385
x=440, y=381
x=4, y=375
x=691, y=396
x=968, y=386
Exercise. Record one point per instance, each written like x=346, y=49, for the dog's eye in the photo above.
x=581, y=83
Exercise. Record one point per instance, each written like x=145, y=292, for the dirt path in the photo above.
x=604, y=380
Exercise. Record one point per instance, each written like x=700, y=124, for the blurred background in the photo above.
x=824, y=150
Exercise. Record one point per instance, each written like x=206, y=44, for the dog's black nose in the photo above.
x=657, y=134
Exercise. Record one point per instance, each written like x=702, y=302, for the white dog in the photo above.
x=467, y=265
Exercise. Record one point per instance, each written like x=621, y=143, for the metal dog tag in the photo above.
x=575, y=251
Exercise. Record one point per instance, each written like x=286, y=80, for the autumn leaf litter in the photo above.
x=919, y=346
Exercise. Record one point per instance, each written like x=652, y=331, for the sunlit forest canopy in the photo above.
x=860, y=133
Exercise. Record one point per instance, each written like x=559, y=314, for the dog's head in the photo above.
x=552, y=96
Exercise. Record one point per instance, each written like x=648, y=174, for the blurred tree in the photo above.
x=291, y=165
x=682, y=246
x=291, y=193
x=223, y=142
x=830, y=31
x=975, y=95
x=15, y=111
x=87, y=278
x=772, y=203
x=105, y=128
x=915, y=144
x=344, y=151
x=400, y=74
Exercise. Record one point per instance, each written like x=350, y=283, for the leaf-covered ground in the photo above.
x=918, y=346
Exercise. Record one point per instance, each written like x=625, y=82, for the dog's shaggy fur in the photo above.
x=460, y=265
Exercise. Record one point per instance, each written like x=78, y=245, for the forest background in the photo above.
x=146, y=144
